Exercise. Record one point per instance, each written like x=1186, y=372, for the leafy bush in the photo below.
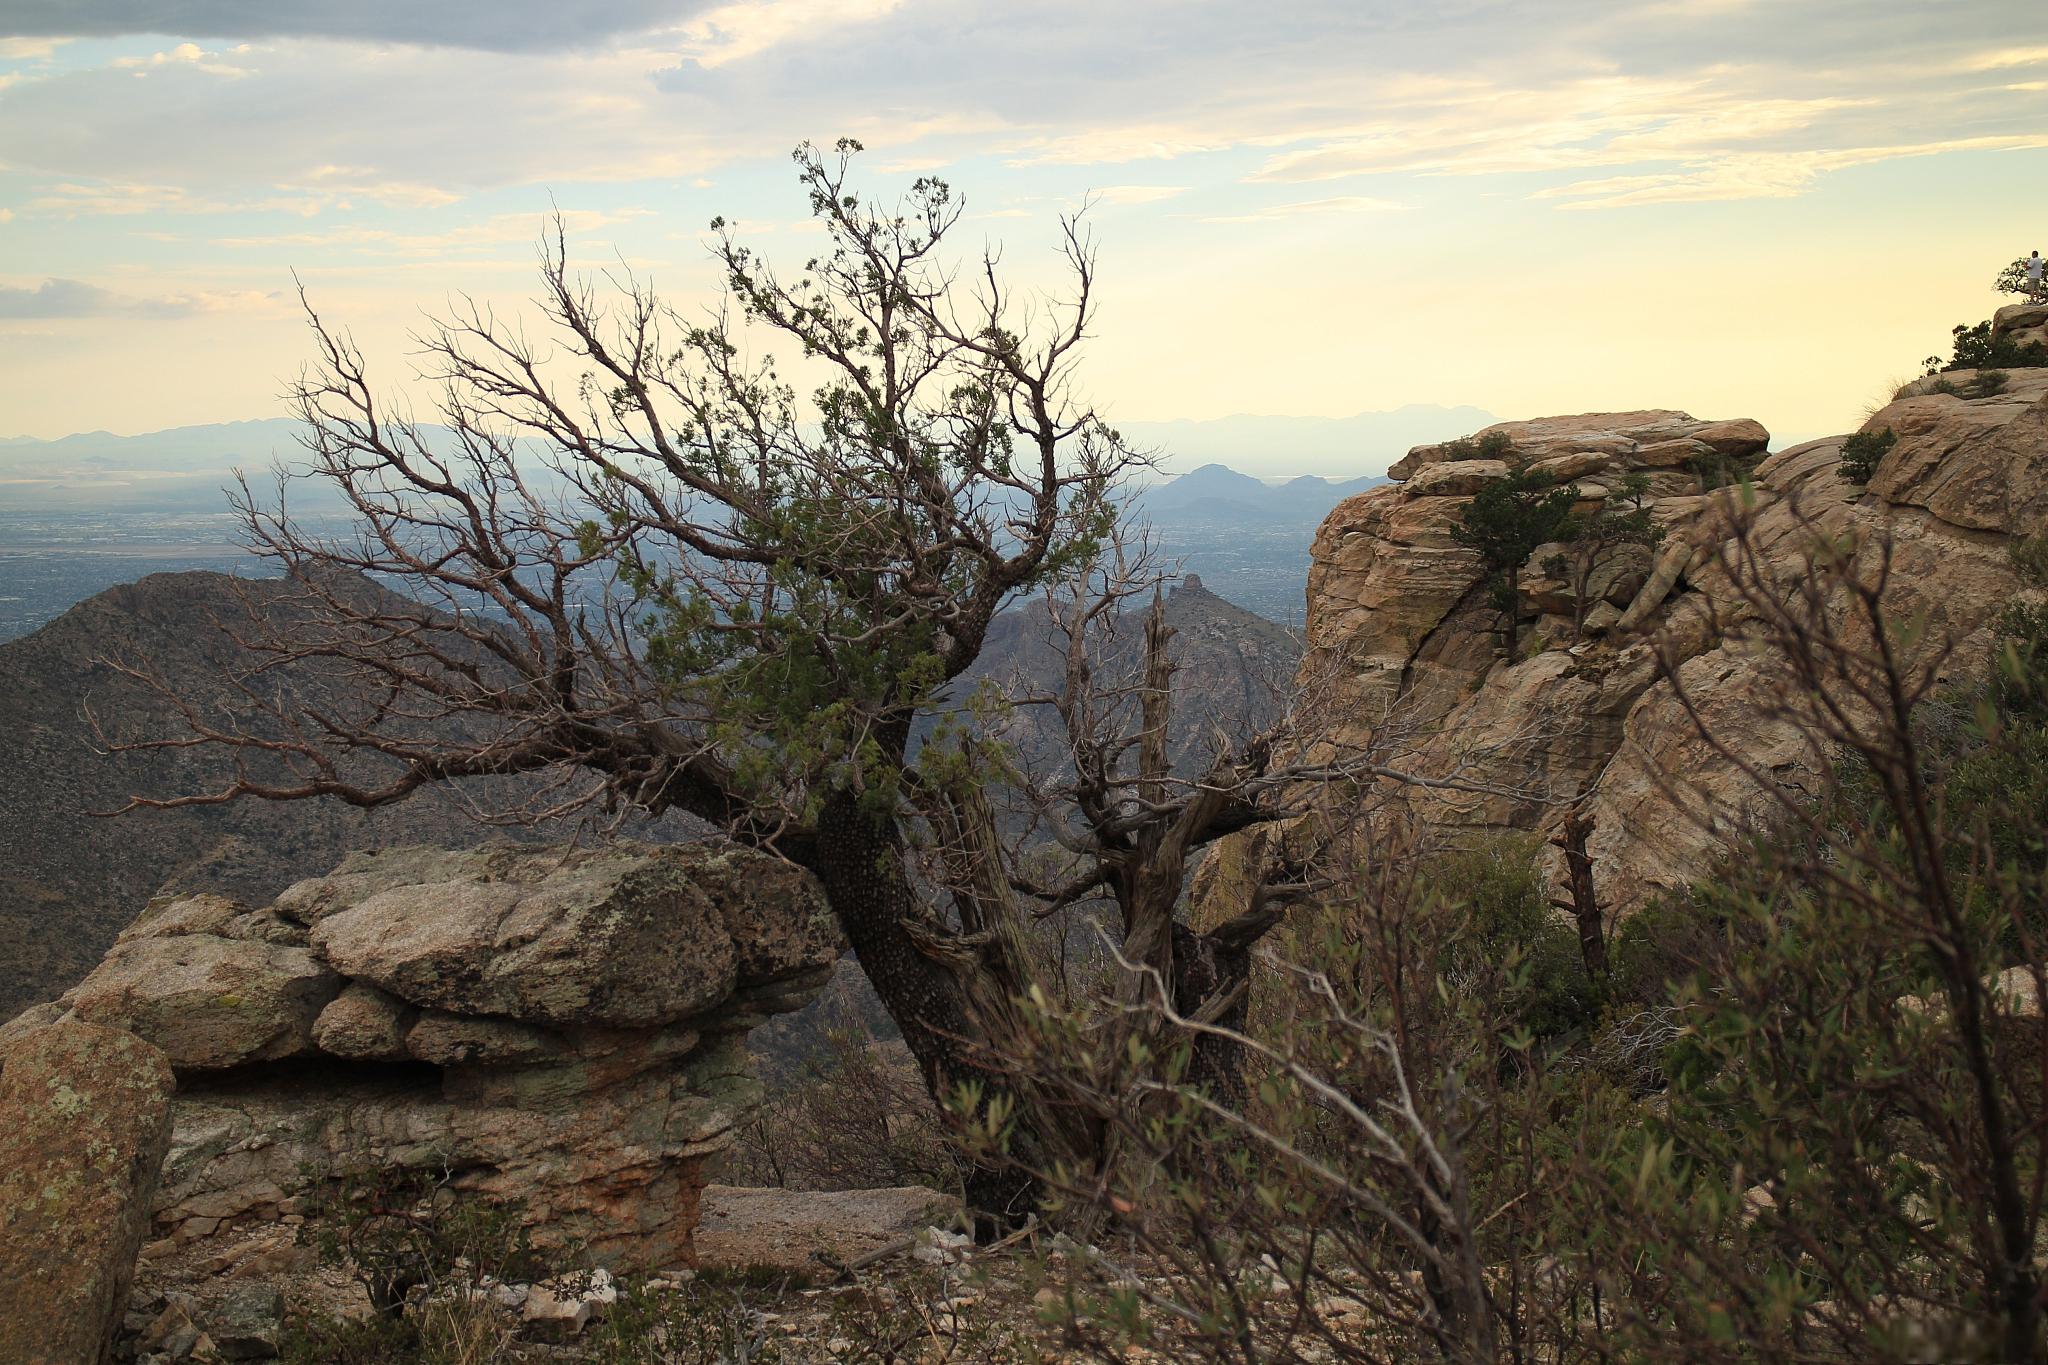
x=1989, y=383
x=1504, y=523
x=1977, y=349
x=1492, y=445
x=1504, y=916
x=1715, y=470
x=1862, y=452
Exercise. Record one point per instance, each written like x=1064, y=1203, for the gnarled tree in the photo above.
x=642, y=565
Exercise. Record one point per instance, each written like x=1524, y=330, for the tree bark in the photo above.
x=860, y=860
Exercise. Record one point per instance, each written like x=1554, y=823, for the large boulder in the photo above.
x=85, y=1117
x=558, y=1027
x=610, y=938
x=2022, y=323
x=1977, y=464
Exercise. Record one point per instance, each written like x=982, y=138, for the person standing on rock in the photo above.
x=2034, y=277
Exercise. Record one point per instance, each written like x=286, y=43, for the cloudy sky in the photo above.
x=1309, y=207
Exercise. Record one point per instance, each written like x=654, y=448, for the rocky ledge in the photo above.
x=560, y=1026
x=1403, y=643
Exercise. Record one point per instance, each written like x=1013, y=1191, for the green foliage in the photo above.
x=1492, y=445
x=813, y=602
x=1591, y=540
x=1989, y=383
x=1715, y=470
x=1977, y=349
x=1862, y=452
x=372, y=1340
x=2029, y=557
x=1504, y=523
x=710, y=1320
x=2013, y=279
x=1504, y=918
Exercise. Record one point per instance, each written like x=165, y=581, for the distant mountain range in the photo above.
x=184, y=469
x=1341, y=447
x=1218, y=492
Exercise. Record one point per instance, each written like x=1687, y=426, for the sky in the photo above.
x=1767, y=208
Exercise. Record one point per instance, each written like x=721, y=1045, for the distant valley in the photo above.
x=87, y=512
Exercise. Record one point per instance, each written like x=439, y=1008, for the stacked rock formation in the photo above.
x=1404, y=646
x=559, y=1026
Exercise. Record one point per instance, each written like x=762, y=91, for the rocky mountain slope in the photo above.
x=1235, y=669
x=70, y=882
x=1403, y=643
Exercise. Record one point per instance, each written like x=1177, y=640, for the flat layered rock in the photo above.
x=208, y=1002
x=792, y=1229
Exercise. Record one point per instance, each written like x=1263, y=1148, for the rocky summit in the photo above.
x=562, y=1027
x=1404, y=650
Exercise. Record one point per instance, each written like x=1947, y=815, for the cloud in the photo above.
x=1136, y=194
x=1341, y=204
x=493, y=231
x=1765, y=175
x=27, y=49
x=55, y=298
x=732, y=32
x=491, y=25
x=2005, y=58
x=70, y=199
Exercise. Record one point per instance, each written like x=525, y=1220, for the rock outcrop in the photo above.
x=1403, y=645
x=2021, y=323
x=84, y=1121
x=563, y=1027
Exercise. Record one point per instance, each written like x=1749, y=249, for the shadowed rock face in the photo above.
x=560, y=1026
x=84, y=1120
x=1401, y=635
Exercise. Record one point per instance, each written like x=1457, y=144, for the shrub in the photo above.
x=1503, y=915
x=1977, y=349
x=1989, y=383
x=1504, y=523
x=856, y=1116
x=1492, y=445
x=1862, y=452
